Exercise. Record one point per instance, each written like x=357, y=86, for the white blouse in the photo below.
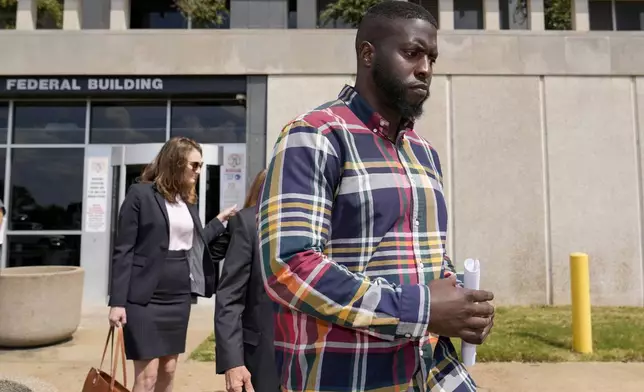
x=181, y=226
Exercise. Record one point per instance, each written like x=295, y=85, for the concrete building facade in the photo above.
x=539, y=131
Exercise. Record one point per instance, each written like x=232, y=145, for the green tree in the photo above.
x=557, y=12
x=47, y=10
x=348, y=11
x=202, y=13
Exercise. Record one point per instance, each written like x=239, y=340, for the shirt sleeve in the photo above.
x=294, y=223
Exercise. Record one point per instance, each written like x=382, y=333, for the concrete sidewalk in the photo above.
x=65, y=365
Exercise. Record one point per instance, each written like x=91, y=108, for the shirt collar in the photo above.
x=372, y=119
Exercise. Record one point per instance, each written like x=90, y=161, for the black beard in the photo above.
x=394, y=93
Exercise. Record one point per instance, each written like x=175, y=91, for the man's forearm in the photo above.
x=313, y=284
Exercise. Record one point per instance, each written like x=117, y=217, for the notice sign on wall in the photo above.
x=232, y=185
x=96, y=201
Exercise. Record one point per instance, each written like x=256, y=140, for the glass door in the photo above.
x=128, y=163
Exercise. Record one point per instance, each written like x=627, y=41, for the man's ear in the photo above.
x=366, y=53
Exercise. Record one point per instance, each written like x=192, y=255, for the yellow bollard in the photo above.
x=582, y=336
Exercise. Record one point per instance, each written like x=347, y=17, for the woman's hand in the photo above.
x=227, y=213
x=117, y=316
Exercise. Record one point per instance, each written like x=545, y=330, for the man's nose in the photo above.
x=424, y=68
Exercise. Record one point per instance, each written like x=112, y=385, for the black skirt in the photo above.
x=159, y=328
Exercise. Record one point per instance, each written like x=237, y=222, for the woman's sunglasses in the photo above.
x=195, y=165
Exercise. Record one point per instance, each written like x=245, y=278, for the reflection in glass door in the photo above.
x=132, y=174
x=211, y=173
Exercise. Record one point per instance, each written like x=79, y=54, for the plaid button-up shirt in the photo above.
x=352, y=229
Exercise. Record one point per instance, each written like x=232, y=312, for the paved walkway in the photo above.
x=65, y=365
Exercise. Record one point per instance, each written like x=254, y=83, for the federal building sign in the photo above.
x=119, y=86
x=87, y=84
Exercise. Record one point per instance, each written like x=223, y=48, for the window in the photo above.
x=7, y=16
x=4, y=121
x=46, y=188
x=49, y=123
x=429, y=5
x=210, y=121
x=50, y=15
x=164, y=14
x=156, y=14
x=292, y=14
x=616, y=15
x=513, y=14
x=3, y=163
x=224, y=23
x=36, y=250
x=629, y=15
x=468, y=14
x=600, y=14
x=331, y=24
x=136, y=122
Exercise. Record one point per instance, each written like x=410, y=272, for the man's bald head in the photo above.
x=375, y=24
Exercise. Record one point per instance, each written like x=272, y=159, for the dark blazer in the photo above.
x=141, y=246
x=243, y=310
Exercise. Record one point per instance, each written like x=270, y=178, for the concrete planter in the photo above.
x=39, y=305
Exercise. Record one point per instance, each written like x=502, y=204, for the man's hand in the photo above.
x=238, y=378
x=458, y=312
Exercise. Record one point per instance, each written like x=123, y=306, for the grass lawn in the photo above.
x=544, y=334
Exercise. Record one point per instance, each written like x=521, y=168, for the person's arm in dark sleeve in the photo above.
x=213, y=229
x=231, y=297
x=128, y=228
x=219, y=246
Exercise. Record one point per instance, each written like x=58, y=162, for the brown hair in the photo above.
x=255, y=189
x=168, y=169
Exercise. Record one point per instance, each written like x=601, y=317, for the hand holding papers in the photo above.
x=471, y=280
x=460, y=312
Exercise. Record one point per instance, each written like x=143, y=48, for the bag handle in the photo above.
x=110, y=334
x=114, y=360
x=120, y=348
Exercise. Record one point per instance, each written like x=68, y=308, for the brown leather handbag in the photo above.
x=99, y=381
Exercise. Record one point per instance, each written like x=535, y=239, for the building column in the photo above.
x=537, y=19
x=120, y=14
x=580, y=18
x=26, y=14
x=72, y=14
x=446, y=14
x=492, y=20
x=307, y=14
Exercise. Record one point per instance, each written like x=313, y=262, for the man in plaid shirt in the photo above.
x=353, y=224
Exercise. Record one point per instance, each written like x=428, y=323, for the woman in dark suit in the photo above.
x=160, y=260
x=243, y=310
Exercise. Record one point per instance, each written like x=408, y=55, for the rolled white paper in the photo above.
x=471, y=280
